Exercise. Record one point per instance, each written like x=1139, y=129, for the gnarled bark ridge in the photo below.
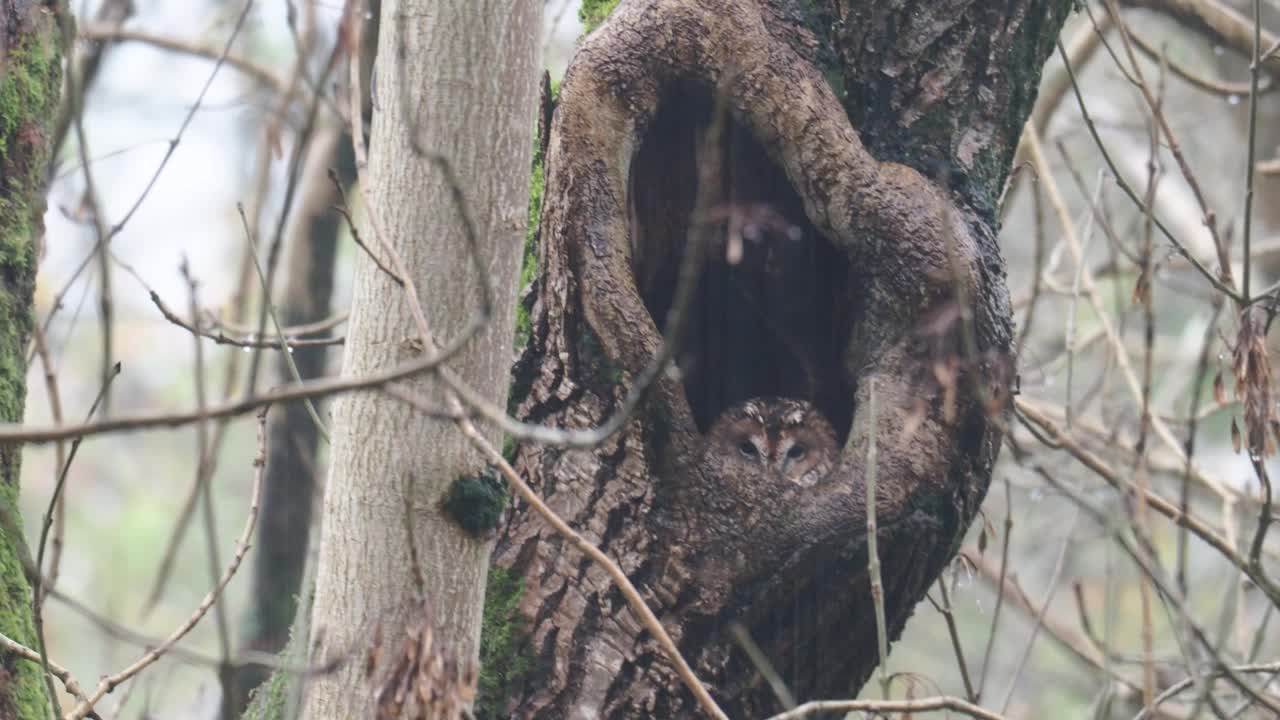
x=860, y=269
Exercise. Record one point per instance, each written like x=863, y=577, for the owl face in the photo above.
x=777, y=438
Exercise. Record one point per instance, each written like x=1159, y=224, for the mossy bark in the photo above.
x=30, y=83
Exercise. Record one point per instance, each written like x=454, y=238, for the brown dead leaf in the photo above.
x=1252, y=369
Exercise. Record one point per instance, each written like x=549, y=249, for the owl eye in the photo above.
x=796, y=452
x=747, y=448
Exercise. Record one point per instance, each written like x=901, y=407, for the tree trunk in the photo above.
x=878, y=134
x=30, y=84
x=467, y=72
x=289, y=486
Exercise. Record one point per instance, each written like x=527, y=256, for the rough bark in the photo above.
x=468, y=72
x=881, y=133
x=292, y=462
x=30, y=83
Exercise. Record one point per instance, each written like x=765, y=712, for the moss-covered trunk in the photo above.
x=30, y=83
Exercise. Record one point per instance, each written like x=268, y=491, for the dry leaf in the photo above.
x=1253, y=381
x=425, y=680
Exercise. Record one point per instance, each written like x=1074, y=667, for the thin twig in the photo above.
x=293, y=331
x=1210, y=85
x=1037, y=214
x=1222, y=284
x=76, y=110
x=301, y=145
x=1264, y=520
x=204, y=480
x=1208, y=216
x=1255, y=69
x=19, y=433
x=873, y=549
x=1029, y=411
x=945, y=608
x=345, y=211
x=905, y=707
x=85, y=63
x=289, y=334
x=270, y=309
x=186, y=121
x=1144, y=292
x=760, y=661
x=1069, y=335
x=1219, y=22
x=1177, y=688
x=1121, y=353
x=110, y=682
x=60, y=454
x=164, y=161
x=1004, y=567
x=39, y=588
x=62, y=674
x=1066, y=637
x=231, y=372
x=1151, y=569
x=1054, y=577
x=1184, y=495
x=106, y=33
x=191, y=656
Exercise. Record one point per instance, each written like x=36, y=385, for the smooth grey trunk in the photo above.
x=467, y=71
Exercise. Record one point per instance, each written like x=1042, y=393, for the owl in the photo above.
x=777, y=438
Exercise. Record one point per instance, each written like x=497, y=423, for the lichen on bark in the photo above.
x=962, y=112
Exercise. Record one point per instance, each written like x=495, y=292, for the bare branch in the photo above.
x=108, y=33
x=905, y=707
x=17, y=432
x=53, y=668
x=110, y=682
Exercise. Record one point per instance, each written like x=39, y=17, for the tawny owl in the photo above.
x=777, y=438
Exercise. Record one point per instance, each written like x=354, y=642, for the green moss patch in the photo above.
x=506, y=654
x=476, y=503
x=594, y=12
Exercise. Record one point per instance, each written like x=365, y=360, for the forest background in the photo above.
x=127, y=490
